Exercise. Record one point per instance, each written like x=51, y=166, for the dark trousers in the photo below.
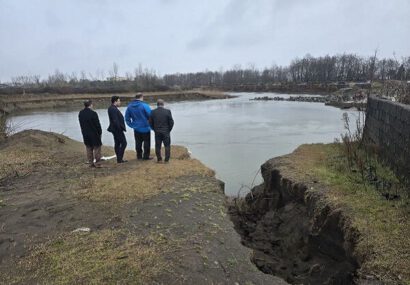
x=161, y=138
x=140, y=140
x=120, y=143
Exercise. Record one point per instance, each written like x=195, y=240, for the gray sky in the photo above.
x=40, y=36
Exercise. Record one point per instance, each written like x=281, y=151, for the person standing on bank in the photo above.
x=91, y=131
x=161, y=122
x=117, y=128
x=136, y=117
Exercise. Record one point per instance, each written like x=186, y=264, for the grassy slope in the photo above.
x=384, y=245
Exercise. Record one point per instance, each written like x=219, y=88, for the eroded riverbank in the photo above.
x=310, y=223
x=294, y=233
x=300, y=224
x=142, y=230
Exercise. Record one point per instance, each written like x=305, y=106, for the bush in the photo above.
x=5, y=127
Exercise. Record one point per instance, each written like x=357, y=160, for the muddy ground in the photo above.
x=149, y=223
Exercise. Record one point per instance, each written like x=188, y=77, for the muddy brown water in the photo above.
x=232, y=136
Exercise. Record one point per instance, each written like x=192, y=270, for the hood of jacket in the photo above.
x=137, y=115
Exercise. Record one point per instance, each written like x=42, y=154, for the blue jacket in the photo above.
x=137, y=116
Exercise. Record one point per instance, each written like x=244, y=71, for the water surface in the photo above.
x=233, y=136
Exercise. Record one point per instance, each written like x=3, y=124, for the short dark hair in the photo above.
x=139, y=95
x=88, y=103
x=160, y=102
x=114, y=99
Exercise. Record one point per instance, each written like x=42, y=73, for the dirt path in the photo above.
x=143, y=230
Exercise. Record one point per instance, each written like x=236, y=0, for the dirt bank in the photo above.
x=149, y=223
x=308, y=230
x=315, y=89
x=294, y=236
x=15, y=103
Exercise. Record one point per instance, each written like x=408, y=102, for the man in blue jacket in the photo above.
x=136, y=117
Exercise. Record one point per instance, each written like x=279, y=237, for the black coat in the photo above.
x=161, y=120
x=90, y=127
x=117, y=124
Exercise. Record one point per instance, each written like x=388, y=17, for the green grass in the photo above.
x=384, y=245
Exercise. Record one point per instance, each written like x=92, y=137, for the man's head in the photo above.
x=115, y=100
x=160, y=103
x=88, y=104
x=139, y=96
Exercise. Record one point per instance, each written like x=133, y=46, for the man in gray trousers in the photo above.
x=161, y=122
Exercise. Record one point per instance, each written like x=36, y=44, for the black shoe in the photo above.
x=159, y=160
x=166, y=161
x=122, y=161
x=147, y=158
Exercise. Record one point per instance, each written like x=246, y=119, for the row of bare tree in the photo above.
x=65, y=83
x=326, y=69
x=309, y=69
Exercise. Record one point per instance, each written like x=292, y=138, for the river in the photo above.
x=232, y=136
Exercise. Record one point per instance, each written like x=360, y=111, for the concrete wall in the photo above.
x=388, y=126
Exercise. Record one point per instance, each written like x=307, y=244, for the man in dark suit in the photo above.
x=117, y=128
x=161, y=122
x=91, y=130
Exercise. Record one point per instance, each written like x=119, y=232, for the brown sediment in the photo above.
x=9, y=104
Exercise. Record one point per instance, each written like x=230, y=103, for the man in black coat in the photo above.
x=117, y=128
x=91, y=130
x=161, y=122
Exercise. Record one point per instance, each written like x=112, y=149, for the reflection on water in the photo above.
x=233, y=136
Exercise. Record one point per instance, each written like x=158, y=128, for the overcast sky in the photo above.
x=40, y=36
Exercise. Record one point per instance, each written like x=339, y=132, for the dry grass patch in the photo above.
x=17, y=163
x=177, y=152
x=103, y=257
x=146, y=180
x=21, y=153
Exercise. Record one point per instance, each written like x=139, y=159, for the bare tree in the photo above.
x=83, y=76
x=129, y=76
x=115, y=71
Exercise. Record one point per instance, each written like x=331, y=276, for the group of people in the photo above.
x=139, y=117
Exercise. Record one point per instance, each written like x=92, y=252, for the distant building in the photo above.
x=364, y=85
x=118, y=78
x=342, y=84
